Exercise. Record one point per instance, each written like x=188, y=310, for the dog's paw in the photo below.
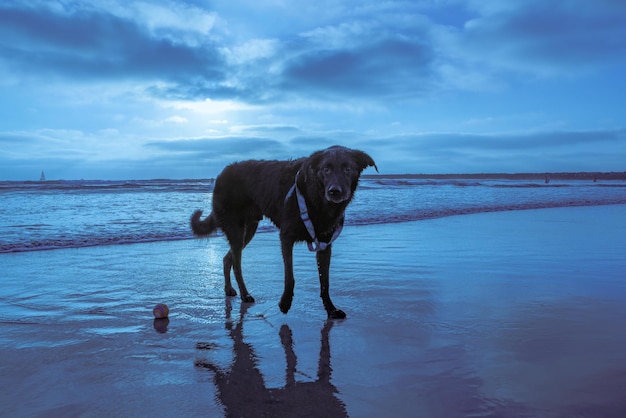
x=284, y=306
x=230, y=291
x=247, y=298
x=285, y=303
x=336, y=314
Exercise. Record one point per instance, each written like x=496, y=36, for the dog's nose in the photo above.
x=335, y=191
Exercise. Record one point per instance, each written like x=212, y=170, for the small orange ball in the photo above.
x=160, y=311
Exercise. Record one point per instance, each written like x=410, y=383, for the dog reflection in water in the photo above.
x=242, y=389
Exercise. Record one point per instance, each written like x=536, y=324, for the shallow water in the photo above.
x=489, y=315
x=69, y=214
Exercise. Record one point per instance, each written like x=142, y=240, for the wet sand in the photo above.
x=513, y=314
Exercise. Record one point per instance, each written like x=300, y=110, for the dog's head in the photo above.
x=337, y=169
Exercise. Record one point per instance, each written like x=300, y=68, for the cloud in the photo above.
x=44, y=142
x=152, y=123
x=52, y=151
x=11, y=139
x=56, y=146
x=26, y=153
x=183, y=22
x=600, y=150
x=514, y=142
x=401, y=51
x=368, y=70
x=361, y=58
x=281, y=130
x=176, y=119
x=198, y=85
x=501, y=144
x=222, y=149
x=91, y=43
x=391, y=50
x=231, y=148
x=547, y=38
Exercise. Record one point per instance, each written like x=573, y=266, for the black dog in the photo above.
x=305, y=198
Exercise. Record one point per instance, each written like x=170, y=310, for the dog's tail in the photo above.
x=202, y=228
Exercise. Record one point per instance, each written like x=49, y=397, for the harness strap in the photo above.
x=316, y=245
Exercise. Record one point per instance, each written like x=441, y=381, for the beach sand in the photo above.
x=512, y=314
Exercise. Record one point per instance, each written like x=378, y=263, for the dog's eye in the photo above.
x=327, y=170
x=347, y=170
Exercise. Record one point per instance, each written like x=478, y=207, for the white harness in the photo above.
x=316, y=245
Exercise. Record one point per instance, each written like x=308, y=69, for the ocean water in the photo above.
x=70, y=214
x=510, y=314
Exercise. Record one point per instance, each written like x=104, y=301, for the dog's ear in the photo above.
x=311, y=164
x=363, y=160
x=315, y=159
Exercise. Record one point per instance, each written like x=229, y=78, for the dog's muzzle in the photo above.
x=336, y=194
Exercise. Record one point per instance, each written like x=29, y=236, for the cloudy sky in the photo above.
x=116, y=89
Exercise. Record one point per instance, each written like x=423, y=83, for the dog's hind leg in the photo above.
x=249, y=233
x=238, y=238
x=250, y=230
x=323, y=267
x=228, y=265
x=245, y=296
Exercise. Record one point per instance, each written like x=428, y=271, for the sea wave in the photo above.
x=107, y=186
x=71, y=214
x=266, y=226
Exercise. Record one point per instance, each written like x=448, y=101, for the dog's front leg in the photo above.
x=323, y=267
x=286, y=246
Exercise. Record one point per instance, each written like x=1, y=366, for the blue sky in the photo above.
x=116, y=89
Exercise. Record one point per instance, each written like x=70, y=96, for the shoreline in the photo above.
x=494, y=314
x=556, y=175
x=272, y=229
x=539, y=176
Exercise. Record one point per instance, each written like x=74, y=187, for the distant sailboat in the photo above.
x=43, y=176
